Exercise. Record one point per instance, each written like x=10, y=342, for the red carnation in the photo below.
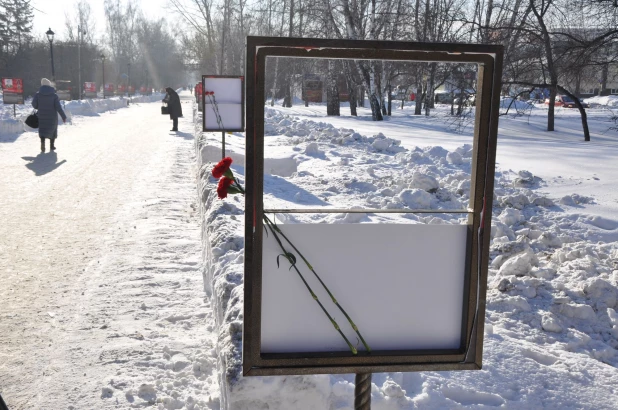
x=224, y=184
x=222, y=168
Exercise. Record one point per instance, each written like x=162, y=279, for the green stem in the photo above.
x=273, y=226
x=273, y=230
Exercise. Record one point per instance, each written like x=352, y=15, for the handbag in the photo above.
x=165, y=110
x=33, y=120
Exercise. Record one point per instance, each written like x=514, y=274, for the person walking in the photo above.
x=173, y=105
x=47, y=102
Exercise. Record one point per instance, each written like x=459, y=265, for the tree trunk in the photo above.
x=332, y=91
x=352, y=93
x=582, y=112
x=552, y=104
x=376, y=113
x=390, y=99
x=604, y=74
x=418, y=106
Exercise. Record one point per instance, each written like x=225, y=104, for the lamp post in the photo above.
x=103, y=65
x=147, y=86
x=129, y=81
x=80, y=37
x=50, y=37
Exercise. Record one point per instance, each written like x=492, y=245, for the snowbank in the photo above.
x=608, y=100
x=515, y=105
x=553, y=279
x=10, y=125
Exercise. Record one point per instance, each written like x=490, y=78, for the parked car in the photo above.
x=566, y=101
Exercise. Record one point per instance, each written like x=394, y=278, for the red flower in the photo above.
x=222, y=168
x=224, y=184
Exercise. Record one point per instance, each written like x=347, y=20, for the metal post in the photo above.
x=79, y=62
x=103, y=64
x=223, y=144
x=362, y=391
x=129, y=81
x=14, y=113
x=51, y=49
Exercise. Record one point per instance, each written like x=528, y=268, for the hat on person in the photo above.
x=45, y=81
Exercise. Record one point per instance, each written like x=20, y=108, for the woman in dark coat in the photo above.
x=173, y=105
x=47, y=102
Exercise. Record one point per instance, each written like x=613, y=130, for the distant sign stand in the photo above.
x=108, y=90
x=63, y=89
x=13, y=92
x=90, y=90
x=436, y=306
x=223, y=101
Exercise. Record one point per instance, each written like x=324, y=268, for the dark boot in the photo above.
x=52, y=147
x=42, y=144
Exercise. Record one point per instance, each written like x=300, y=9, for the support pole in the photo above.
x=362, y=391
x=14, y=113
x=223, y=144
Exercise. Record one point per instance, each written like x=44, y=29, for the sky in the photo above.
x=51, y=14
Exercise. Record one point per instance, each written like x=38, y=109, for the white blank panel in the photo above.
x=403, y=286
x=231, y=116
x=227, y=90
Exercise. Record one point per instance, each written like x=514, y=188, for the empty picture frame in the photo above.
x=223, y=101
x=439, y=326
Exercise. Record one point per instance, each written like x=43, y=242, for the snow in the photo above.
x=11, y=125
x=608, y=100
x=551, y=322
x=103, y=304
x=110, y=299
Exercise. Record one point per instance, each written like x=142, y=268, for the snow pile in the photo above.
x=552, y=291
x=96, y=106
x=608, y=100
x=11, y=125
x=514, y=104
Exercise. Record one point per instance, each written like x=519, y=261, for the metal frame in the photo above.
x=242, y=104
x=469, y=355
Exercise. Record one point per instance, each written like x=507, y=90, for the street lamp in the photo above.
x=81, y=33
x=129, y=81
x=50, y=37
x=103, y=64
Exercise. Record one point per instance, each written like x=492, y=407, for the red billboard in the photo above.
x=90, y=90
x=131, y=89
x=109, y=89
x=13, y=90
x=313, y=87
x=121, y=89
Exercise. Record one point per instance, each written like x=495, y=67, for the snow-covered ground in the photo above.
x=551, y=326
x=103, y=303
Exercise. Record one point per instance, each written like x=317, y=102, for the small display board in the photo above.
x=90, y=90
x=63, y=89
x=12, y=90
x=109, y=89
x=416, y=291
x=121, y=89
x=223, y=99
x=131, y=90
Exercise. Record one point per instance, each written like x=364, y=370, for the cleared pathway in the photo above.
x=102, y=300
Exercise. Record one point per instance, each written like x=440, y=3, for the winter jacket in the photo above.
x=173, y=103
x=48, y=104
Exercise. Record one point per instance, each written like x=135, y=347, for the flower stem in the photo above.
x=273, y=226
x=273, y=229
